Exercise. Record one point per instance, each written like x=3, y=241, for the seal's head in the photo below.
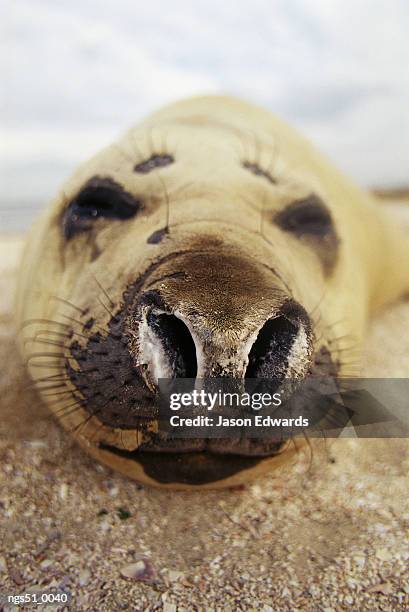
x=211, y=241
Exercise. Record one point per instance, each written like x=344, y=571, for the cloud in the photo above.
x=77, y=73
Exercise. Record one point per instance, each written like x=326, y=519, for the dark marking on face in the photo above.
x=100, y=198
x=187, y=468
x=156, y=161
x=258, y=171
x=111, y=384
x=310, y=221
x=158, y=236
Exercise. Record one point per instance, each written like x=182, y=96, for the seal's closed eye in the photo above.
x=100, y=197
x=310, y=220
x=307, y=216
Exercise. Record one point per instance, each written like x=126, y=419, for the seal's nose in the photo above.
x=185, y=345
x=218, y=314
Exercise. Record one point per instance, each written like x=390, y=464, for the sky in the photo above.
x=75, y=74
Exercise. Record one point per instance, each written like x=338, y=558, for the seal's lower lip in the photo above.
x=193, y=468
x=189, y=468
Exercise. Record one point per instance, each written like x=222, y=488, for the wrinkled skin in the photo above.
x=174, y=252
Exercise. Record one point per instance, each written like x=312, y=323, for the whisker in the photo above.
x=263, y=202
x=36, y=340
x=72, y=319
x=104, y=291
x=179, y=190
x=69, y=413
x=78, y=402
x=46, y=354
x=45, y=321
x=271, y=166
x=317, y=306
x=52, y=332
x=353, y=362
x=46, y=388
x=338, y=322
x=105, y=307
x=45, y=378
x=82, y=324
x=77, y=428
x=94, y=412
x=57, y=402
x=164, y=142
x=151, y=141
x=57, y=393
x=167, y=202
x=138, y=151
x=49, y=366
x=82, y=311
x=96, y=432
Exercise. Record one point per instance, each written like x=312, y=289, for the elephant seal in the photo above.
x=209, y=241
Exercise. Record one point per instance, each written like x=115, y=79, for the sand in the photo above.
x=330, y=532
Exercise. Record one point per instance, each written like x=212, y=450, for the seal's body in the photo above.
x=210, y=241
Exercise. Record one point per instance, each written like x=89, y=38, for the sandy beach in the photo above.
x=328, y=533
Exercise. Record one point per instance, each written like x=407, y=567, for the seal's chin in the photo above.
x=190, y=468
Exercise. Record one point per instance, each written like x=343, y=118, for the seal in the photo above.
x=210, y=241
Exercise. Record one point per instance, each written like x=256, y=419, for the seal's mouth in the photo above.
x=188, y=468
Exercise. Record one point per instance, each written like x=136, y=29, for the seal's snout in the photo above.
x=193, y=315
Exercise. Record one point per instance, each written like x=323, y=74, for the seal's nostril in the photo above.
x=268, y=357
x=283, y=346
x=177, y=344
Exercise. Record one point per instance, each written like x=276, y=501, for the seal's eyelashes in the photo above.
x=100, y=197
x=155, y=161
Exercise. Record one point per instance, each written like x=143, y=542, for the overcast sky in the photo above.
x=75, y=73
